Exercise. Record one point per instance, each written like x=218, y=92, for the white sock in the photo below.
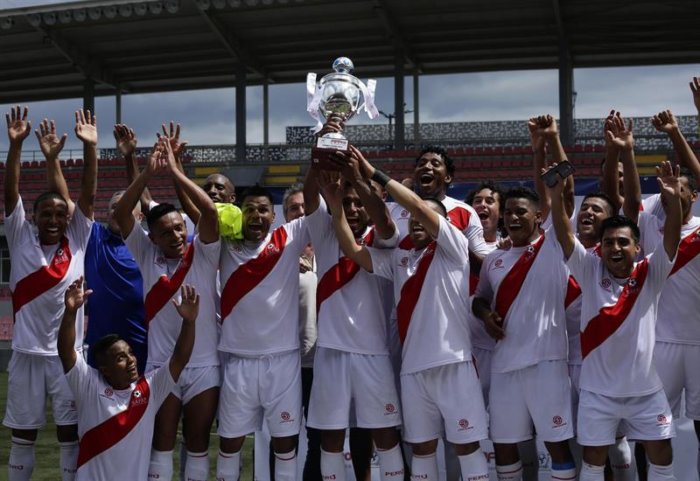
x=563, y=471
x=591, y=472
x=21, y=462
x=161, y=466
x=424, y=468
x=391, y=464
x=332, y=466
x=474, y=466
x=286, y=466
x=660, y=473
x=529, y=457
x=197, y=466
x=621, y=460
x=69, y=460
x=183, y=459
x=511, y=472
x=228, y=466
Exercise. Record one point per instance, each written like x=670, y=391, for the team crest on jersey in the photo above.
x=403, y=262
x=498, y=264
x=160, y=260
x=60, y=256
x=606, y=283
x=404, y=213
x=272, y=248
x=108, y=392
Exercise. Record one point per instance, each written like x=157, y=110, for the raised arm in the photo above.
x=173, y=137
x=51, y=145
x=539, y=160
x=74, y=299
x=126, y=144
x=670, y=186
x=611, y=174
x=313, y=175
x=208, y=222
x=666, y=122
x=188, y=308
x=86, y=131
x=18, y=128
x=547, y=129
x=560, y=218
x=622, y=137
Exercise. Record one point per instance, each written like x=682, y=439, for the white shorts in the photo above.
x=643, y=418
x=193, y=381
x=539, y=395
x=678, y=366
x=32, y=378
x=444, y=399
x=260, y=388
x=342, y=377
x=482, y=358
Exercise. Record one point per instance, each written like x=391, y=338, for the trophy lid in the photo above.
x=343, y=65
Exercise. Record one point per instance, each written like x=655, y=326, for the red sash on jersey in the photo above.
x=165, y=288
x=513, y=281
x=105, y=435
x=250, y=274
x=339, y=275
x=411, y=291
x=688, y=248
x=459, y=217
x=573, y=290
x=610, y=318
x=35, y=284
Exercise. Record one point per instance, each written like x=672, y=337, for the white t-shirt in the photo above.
x=308, y=332
x=353, y=317
x=96, y=402
x=477, y=329
x=164, y=328
x=266, y=319
x=620, y=366
x=573, y=315
x=679, y=314
x=38, y=318
x=438, y=332
x=535, y=324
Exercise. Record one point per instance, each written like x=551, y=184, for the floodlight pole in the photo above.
x=416, y=107
x=240, y=113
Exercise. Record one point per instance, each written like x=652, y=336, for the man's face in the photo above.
x=430, y=175
x=119, y=367
x=419, y=236
x=355, y=213
x=294, y=207
x=521, y=218
x=619, y=251
x=51, y=220
x=486, y=203
x=219, y=189
x=258, y=216
x=112, y=224
x=169, y=233
x=593, y=212
x=688, y=196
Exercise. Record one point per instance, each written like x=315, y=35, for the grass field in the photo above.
x=46, y=464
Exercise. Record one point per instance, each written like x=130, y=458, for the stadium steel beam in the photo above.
x=266, y=119
x=89, y=95
x=231, y=43
x=118, y=107
x=240, y=112
x=399, y=130
x=392, y=28
x=566, y=80
x=416, y=109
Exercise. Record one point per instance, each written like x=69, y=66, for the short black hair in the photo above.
x=692, y=181
x=48, y=195
x=619, y=221
x=256, y=191
x=100, y=348
x=522, y=193
x=604, y=197
x=442, y=152
x=438, y=202
x=157, y=212
x=488, y=184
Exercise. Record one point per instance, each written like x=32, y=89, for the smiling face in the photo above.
x=169, y=233
x=51, y=220
x=419, y=236
x=593, y=212
x=619, y=250
x=521, y=218
x=258, y=216
x=430, y=176
x=219, y=189
x=355, y=213
x=118, y=365
x=487, y=205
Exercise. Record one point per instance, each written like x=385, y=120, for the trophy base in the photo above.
x=325, y=147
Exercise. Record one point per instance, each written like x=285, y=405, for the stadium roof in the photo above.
x=150, y=46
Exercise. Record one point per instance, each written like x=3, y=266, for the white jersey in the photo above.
x=260, y=305
x=437, y=333
x=572, y=304
x=679, y=318
x=618, y=348
x=107, y=446
x=164, y=326
x=351, y=315
x=652, y=205
x=535, y=325
x=37, y=297
x=477, y=329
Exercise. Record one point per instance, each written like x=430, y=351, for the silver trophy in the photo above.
x=337, y=96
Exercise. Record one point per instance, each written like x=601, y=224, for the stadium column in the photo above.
x=240, y=113
x=89, y=95
x=566, y=94
x=399, y=137
x=416, y=108
x=266, y=120
x=118, y=106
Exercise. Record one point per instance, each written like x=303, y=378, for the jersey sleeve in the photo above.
x=161, y=382
x=389, y=243
x=15, y=223
x=81, y=377
x=453, y=242
x=299, y=233
x=579, y=261
x=80, y=227
x=475, y=234
x=651, y=230
x=320, y=223
x=382, y=264
x=659, y=264
x=139, y=244
x=484, y=289
x=210, y=251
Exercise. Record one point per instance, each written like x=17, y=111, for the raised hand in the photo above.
x=157, y=161
x=665, y=122
x=547, y=126
x=618, y=135
x=330, y=183
x=668, y=179
x=18, y=127
x=75, y=295
x=173, y=136
x=536, y=138
x=49, y=143
x=695, y=88
x=85, y=127
x=188, y=307
x=126, y=139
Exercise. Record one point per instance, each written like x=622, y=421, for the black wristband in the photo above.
x=380, y=177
